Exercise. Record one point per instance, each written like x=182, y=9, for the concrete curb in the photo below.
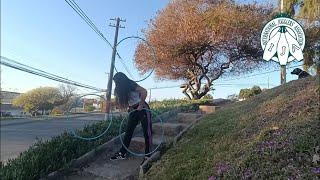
x=83, y=160
x=91, y=155
x=32, y=120
x=27, y=122
x=147, y=164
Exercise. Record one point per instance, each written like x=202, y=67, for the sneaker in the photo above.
x=118, y=156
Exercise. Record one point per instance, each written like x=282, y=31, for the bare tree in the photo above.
x=68, y=94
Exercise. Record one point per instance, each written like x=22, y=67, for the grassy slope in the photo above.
x=271, y=135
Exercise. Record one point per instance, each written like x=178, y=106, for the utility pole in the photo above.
x=283, y=73
x=114, y=52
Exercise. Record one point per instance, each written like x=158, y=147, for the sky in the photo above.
x=50, y=36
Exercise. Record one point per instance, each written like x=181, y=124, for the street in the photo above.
x=17, y=135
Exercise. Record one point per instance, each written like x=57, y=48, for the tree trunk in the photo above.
x=198, y=93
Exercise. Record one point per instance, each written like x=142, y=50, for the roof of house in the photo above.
x=6, y=97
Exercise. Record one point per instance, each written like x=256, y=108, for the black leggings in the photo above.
x=144, y=117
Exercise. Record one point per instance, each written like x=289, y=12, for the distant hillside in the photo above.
x=273, y=135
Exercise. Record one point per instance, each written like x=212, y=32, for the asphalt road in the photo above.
x=17, y=135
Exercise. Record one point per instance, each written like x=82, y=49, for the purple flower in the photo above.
x=222, y=168
x=247, y=174
x=316, y=170
x=212, y=178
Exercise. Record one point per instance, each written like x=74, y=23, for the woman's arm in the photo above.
x=143, y=95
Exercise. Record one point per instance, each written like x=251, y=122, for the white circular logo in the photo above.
x=282, y=40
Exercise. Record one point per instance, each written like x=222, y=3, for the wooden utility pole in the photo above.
x=114, y=53
x=283, y=73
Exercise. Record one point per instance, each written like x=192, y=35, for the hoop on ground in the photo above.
x=107, y=116
x=142, y=154
x=149, y=46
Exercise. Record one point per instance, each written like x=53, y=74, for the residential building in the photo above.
x=6, y=107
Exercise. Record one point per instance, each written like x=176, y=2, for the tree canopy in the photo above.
x=39, y=99
x=247, y=93
x=199, y=41
x=307, y=12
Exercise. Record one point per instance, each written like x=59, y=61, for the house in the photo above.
x=10, y=110
x=6, y=107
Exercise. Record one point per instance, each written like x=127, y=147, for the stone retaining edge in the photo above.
x=82, y=160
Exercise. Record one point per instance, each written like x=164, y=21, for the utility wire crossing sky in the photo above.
x=61, y=43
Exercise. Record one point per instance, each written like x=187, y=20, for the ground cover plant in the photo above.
x=274, y=134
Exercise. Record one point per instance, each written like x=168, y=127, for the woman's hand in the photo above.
x=140, y=107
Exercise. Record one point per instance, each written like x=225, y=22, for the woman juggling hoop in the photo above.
x=132, y=96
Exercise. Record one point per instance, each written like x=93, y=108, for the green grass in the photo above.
x=272, y=135
x=169, y=104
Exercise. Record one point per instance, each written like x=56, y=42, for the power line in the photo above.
x=90, y=23
x=232, y=84
x=215, y=84
x=125, y=67
x=253, y=75
x=16, y=62
x=49, y=77
x=22, y=67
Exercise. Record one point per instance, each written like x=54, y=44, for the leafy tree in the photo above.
x=247, y=93
x=207, y=96
x=39, y=99
x=307, y=12
x=256, y=90
x=199, y=41
x=302, y=9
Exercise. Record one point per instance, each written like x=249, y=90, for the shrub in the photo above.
x=89, y=108
x=247, y=93
x=56, y=111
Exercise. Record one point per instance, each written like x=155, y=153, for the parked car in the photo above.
x=6, y=114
